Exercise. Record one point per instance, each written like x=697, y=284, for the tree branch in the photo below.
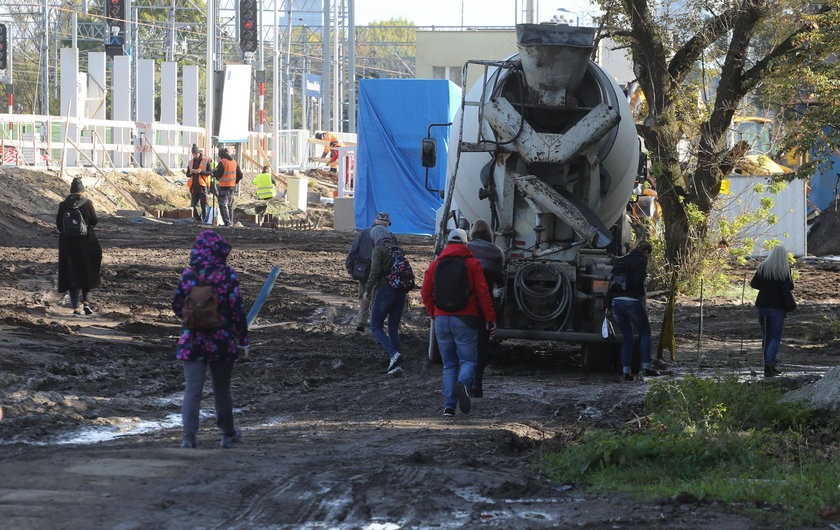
x=683, y=61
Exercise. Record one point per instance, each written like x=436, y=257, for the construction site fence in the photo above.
x=55, y=141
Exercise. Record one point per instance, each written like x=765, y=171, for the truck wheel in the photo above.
x=598, y=357
x=434, y=352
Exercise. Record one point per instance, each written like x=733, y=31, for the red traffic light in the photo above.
x=249, y=24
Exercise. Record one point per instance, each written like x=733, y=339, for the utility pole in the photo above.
x=326, y=83
x=351, y=59
x=170, y=54
x=210, y=76
x=275, y=92
x=44, y=59
x=289, y=85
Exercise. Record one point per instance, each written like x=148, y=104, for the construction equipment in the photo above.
x=544, y=148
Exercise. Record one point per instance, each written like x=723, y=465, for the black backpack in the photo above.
x=452, y=287
x=73, y=224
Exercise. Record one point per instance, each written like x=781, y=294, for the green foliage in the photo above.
x=717, y=439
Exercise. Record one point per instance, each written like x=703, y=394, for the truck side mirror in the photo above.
x=428, y=152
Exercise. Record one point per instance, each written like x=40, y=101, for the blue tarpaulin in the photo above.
x=824, y=181
x=394, y=116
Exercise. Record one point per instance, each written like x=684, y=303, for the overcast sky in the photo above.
x=475, y=12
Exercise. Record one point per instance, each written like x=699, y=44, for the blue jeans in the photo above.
x=772, y=322
x=629, y=314
x=458, y=344
x=387, y=302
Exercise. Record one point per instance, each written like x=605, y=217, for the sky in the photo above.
x=475, y=12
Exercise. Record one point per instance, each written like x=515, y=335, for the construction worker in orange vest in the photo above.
x=228, y=176
x=198, y=171
x=330, y=150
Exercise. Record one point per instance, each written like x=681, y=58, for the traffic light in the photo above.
x=3, y=46
x=115, y=13
x=248, y=26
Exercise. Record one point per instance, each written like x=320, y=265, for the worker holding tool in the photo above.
x=198, y=171
x=330, y=150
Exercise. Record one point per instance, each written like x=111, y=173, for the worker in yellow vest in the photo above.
x=228, y=176
x=198, y=172
x=264, y=184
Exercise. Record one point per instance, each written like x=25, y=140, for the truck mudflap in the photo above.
x=567, y=336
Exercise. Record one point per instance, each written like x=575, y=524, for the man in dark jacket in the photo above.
x=357, y=264
x=456, y=330
x=492, y=263
x=626, y=297
x=198, y=181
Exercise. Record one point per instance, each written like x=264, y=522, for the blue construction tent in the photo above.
x=394, y=116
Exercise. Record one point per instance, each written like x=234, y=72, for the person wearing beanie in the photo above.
x=357, y=264
x=198, y=181
x=492, y=262
x=228, y=174
x=79, y=252
x=386, y=301
x=457, y=299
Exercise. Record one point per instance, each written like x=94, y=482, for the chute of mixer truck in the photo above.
x=547, y=153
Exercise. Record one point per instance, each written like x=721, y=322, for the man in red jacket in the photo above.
x=458, y=306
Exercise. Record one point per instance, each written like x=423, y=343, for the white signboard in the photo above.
x=236, y=104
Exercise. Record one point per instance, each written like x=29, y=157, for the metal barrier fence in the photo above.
x=33, y=140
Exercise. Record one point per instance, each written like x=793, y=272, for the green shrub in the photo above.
x=717, y=439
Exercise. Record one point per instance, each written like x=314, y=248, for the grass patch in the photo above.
x=716, y=439
x=826, y=329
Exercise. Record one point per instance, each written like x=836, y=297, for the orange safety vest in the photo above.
x=228, y=179
x=203, y=180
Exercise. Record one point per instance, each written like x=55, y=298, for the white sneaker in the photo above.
x=396, y=371
x=395, y=361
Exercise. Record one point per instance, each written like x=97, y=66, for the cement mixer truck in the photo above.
x=544, y=148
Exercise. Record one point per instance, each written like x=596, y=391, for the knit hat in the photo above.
x=385, y=217
x=378, y=233
x=77, y=186
x=457, y=236
x=195, y=149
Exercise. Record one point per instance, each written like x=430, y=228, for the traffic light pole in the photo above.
x=210, y=76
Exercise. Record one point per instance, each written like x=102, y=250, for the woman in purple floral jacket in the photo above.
x=218, y=348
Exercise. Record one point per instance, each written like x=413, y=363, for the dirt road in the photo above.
x=91, y=428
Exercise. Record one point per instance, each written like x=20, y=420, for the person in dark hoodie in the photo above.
x=492, y=262
x=626, y=299
x=387, y=301
x=216, y=348
x=456, y=329
x=79, y=252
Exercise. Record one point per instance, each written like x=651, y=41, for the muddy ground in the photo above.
x=91, y=428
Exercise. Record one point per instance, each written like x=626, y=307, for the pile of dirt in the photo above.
x=822, y=237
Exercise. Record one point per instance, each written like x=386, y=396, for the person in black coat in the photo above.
x=626, y=299
x=774, y=283
x=492, y=262
x=79, y=256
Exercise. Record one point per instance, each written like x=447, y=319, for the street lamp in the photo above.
x=577, y=16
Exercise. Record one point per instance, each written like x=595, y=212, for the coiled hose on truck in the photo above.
x=529, y=292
